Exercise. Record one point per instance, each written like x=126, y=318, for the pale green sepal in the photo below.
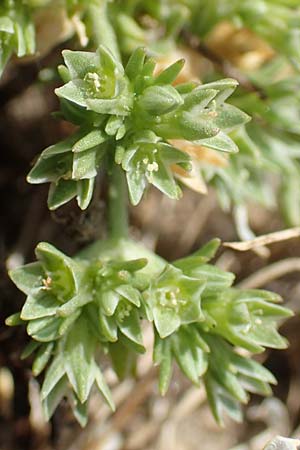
x=28, y=278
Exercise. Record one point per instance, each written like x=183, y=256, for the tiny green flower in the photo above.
x=173, y=299
x=149, y=160
x=97, y=82
x=131, y=113
x=117, y=300
x=246, y=318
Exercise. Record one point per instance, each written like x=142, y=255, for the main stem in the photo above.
x=103, y=34
x=118, y=204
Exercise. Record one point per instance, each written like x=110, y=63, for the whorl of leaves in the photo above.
x=78, y=308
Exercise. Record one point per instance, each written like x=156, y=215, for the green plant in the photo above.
x=133, y=122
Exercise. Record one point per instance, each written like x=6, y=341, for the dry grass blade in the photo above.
x=266, y=239
x=271, y=272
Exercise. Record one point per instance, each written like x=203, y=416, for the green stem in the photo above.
x=101, y=29
x=118, y=204
x=103, y=34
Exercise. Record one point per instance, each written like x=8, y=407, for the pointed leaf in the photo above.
x=28, y=278
x=85, y=189
x=79, y=358
x=80, y=63
x=90, y=140
x=42, y=358
x=45, y=329
x=52, y=400
x=130, y=293
x=220, y=142
x=61, y=192
x=43, y=305
x=54, y=374
x=103, y=388
x=130, y=327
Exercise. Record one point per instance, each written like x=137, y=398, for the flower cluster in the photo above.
x=76, y=308
x=129, y=115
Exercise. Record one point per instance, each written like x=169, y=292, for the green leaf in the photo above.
x=210, y=249
x=79, y=358
x=130, y=327
x=85, y=164
x=119, y=106
x=198, y=99
x=196, y=337
x=220, y=401
x=42, y=358
x=135, y=63
x=185, y=356
x=75, y=303
x=43, y=305
x=165, y=363
x=92, y=139
x=50, y=169
x=14, y=320
x=166, y=321
x=266, y=335
x=45, y=329
x=114, y=125
x=229, y=117
x=225, y=87
x=85, y=189
x=109, y=301
x=216, y=278
x=130, y=293
x=255, y=386
x=103, y=388
x=123, y=359
x=28, y=278
x=172, y=155
x=61, y=147
x=194, y=127
x=61, y=192
x=29, y=349
x=108, y=327
x=169, y=75
x=136, y=185
x=80, y=410
x=53, y=398
x=253, y=369
x=163, y=180
x=68, y=322
x=203, y=255
x=73, y=91
x=80, y=63
x=220, y=142
x=54, y=374
x=229, y=381
x=158, y=100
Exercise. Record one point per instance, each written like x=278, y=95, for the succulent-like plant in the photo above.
x=138, y=123
x=76, y=308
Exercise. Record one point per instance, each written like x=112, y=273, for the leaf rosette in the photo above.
x=78, y=308
x=130, y=115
